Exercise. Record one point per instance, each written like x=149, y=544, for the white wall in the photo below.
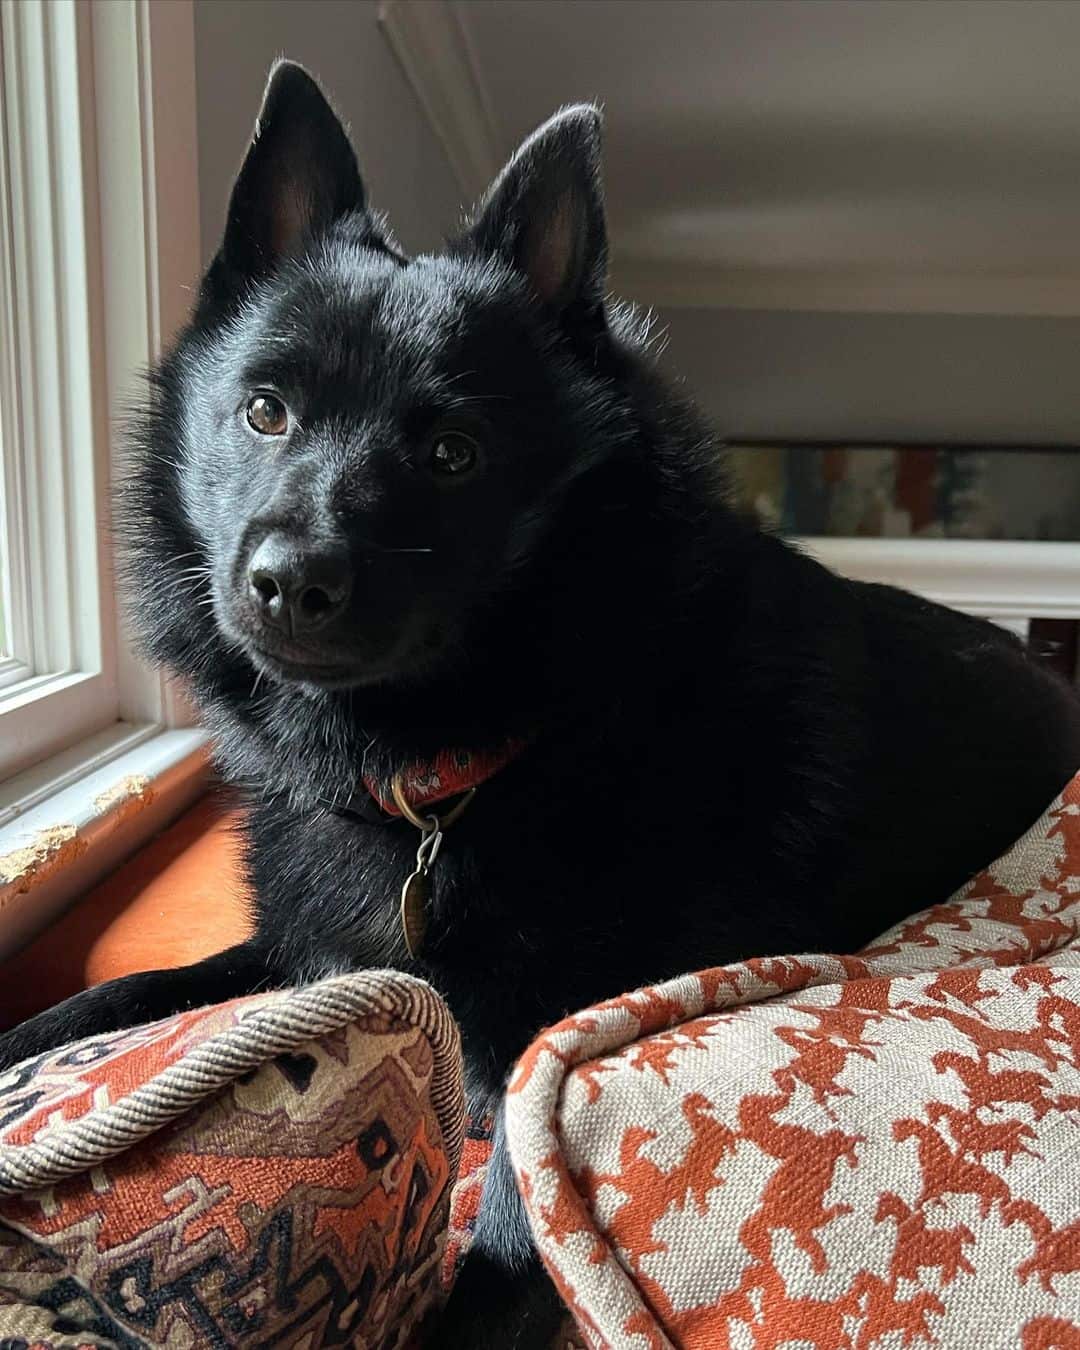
x=404, y=165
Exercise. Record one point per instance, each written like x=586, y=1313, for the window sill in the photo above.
x=176, y=900
x=67, y=823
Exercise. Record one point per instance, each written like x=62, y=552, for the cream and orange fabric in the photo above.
x=865, y=1152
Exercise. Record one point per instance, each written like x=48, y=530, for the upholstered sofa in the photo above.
x=819, y=1151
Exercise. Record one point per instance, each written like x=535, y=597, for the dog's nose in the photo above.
x=298, y=588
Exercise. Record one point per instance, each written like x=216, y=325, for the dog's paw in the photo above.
x=14, y=1048
x=50, y=1030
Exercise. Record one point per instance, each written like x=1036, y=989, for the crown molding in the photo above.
x=432, y=47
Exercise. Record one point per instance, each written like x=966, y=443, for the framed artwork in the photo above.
x=995, y=532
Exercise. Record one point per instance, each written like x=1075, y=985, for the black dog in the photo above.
x=385, y=512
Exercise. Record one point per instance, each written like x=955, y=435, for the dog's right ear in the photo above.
x=299, y=175
x=544, y=214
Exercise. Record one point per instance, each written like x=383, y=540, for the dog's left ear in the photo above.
x=544, y=214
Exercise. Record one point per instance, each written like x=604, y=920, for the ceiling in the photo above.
x=911, y=155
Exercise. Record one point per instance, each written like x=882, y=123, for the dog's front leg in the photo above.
x=503, y=1298
x=134, y=999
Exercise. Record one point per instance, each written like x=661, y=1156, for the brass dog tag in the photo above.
x=414, y=901
x=416, y=892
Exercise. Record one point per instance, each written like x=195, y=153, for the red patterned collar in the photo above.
x=449, y=774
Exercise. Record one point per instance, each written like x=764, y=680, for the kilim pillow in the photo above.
x=275, y=1170
x=820, y=1152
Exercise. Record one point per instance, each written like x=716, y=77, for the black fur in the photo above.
x=731, y=750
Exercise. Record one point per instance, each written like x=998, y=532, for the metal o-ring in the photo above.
x=432, y=822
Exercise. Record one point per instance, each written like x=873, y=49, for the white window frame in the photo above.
x=104, y=250
x=53, y=427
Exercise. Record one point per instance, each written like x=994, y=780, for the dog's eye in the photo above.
x=267, y=415
x=453, y=453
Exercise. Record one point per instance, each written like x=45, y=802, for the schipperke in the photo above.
x=433, y=535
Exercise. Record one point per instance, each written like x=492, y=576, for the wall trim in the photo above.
x=993, y=578
x=432, y=47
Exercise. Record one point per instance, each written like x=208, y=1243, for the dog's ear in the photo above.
x=299, y=175
x=544, y=214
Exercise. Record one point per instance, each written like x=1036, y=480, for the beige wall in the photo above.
x=760, y=373
x=881, y=377
x=404, y=166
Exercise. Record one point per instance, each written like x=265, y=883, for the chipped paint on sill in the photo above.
x=23, y=868
x=34, y=862
x=65, y=839
x=128, y=797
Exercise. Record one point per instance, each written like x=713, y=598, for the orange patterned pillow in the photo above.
x=275, y=1170
x=829, y=1152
